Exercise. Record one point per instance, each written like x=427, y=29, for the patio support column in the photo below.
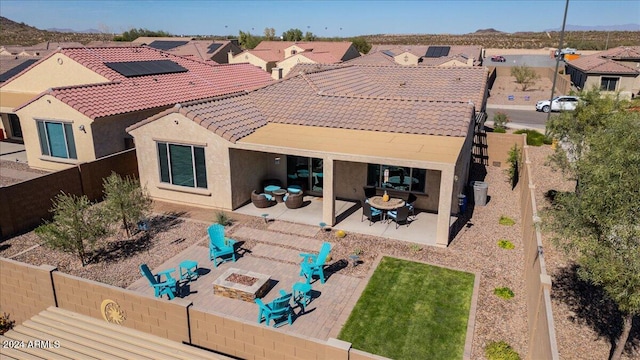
x=444, y=207
x=328, y=197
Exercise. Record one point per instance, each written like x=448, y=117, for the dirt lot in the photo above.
x=504, y=86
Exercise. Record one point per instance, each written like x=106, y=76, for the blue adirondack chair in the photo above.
x=276, y=310
x=167, y=287
x=220, y=246
x=313, y=264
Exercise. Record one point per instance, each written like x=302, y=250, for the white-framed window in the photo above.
x=56, y=139
x=182, y=165
x=608, y=83
x=401, y=178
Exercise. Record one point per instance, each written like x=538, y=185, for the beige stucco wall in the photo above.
x=291, y=49
x=463, y=167
x=109, y=133
x=249, y=169
x=289, y=63
x=50, y=108
x=625, y=83
x=175, y=128
x=455, y=62
x=246, y=57
x=58, y=70
x=409, y=60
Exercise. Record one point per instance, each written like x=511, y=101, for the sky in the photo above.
x=323, y=18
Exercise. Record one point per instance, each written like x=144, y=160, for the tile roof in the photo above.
x=126, y=94
x=13, y=65
x=621, y=53
x=474, y=51
x=596, y=64
x=320, y=57
x=199, y=49
x=372, y=58
x=274, y=50
x=412, y=100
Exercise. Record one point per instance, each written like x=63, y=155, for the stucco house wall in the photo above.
x=175, y=128
x=247, y=57
x=626, y=83
x=287, y=64
x=406, y=58
x=58, y=70
x=50, y=108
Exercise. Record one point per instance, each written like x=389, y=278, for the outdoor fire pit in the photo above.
x=241, y=284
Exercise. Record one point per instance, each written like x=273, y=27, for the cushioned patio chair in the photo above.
x=160, y=287
x=370, y=212
x=400, y=215
x=410, y=203
x=294, y=200
x=262, y=200
x=313, y=264
x=278, y=309
x=220, y=246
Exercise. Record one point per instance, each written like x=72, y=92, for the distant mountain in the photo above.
x=624, y=27
x=488, y=31
x=88, y=31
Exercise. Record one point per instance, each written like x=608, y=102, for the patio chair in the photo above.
x=276, y=310
x=399, y=215
x=219, y=245
x=167, y=287
x=410, y=203
x=370, y=212
x=313, y=264
x=369, y=191
x=262, y=200
x=294, y=200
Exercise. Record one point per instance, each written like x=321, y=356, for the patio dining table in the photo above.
x=392, y=204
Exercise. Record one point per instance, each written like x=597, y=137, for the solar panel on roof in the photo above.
x=388, y=53
x=16, y=70
x=437, y=51
x=166, y=44
x=213, y=47
x=142, y=68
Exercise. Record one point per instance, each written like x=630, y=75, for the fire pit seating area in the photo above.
x=241, y=285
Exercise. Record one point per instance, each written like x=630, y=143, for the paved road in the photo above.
x=529, y=60
x=521, y=118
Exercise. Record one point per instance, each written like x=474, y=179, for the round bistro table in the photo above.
x=392, y=204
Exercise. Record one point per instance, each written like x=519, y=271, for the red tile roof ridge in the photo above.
x=153, y=118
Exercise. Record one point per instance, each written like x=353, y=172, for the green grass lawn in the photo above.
x=411, y=310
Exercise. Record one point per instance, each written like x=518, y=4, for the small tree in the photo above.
x=599, y=223
x=269, y=33
x=76, y=226
x=247, y=40
x=309, y=36
x=361, y=45
x=514, y=160
x=500, y=121
x=292, y=35
x=125, y=200
x=524, y=75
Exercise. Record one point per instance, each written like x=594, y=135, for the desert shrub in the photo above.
x=504, y=292
x=500, y=121
x=500, y=130
x=506, y=244
x=513, y=171
x=415, y=248
x=500, y=350
x=222, y=218
x=506, y=221
x=534, y=138
x=5, y=323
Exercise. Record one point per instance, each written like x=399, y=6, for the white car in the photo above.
x=559, y=103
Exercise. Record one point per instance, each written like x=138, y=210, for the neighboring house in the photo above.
x=432, y=55
x=80, y=100
x=613, y=70
x=215, y=50
x=331, y=131
x=9, y=122
x=270, y=54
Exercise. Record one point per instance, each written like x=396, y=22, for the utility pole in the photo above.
x=555, y=74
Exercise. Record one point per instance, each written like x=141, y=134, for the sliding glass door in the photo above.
x=306, y=173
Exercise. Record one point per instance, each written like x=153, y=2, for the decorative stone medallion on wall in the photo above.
x=112, y=312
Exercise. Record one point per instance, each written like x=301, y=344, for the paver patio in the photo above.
x=277, y=255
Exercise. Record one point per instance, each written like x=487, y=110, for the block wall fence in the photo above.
x=26, y=204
